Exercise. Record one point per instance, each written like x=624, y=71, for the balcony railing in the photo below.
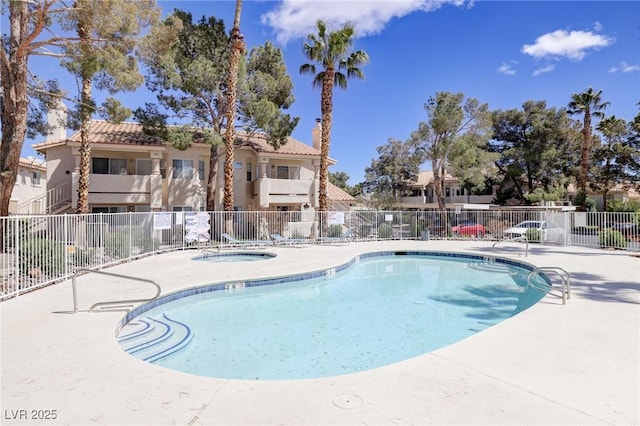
x=119, y=189
x=458, y=199
x=270, y=191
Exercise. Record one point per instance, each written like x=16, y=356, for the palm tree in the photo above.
x=332, y=51
x=590, y=104
x=86, y=72
x=237, y=49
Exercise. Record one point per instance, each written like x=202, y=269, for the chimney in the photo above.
x=57, y=122
x=316, y=134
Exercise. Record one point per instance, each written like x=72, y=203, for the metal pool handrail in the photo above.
x=546, y=288
x=112, y=302
x=522, y=238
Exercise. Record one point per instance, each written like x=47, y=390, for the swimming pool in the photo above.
x=378, y=309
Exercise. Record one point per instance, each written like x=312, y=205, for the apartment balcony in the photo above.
x=420, y=201
x=119, y=189
x=283, y=191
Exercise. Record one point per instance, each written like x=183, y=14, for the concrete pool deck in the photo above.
x=553, y=364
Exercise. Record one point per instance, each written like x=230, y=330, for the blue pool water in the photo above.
x=379, y=310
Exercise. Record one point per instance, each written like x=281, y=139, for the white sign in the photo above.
x=335, y=218
x=196, y=227
x=388, y=218
x=161, y=221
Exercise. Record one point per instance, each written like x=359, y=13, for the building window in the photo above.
x=35, y=178
x=182, y=208
x=143, y=166
x=201, y=169
x=288, y=172
x=447, y=192
x=182, y=169
x=249, y=174
x=109, y=209
x=109, y=166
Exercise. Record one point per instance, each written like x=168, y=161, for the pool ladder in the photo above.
x=535, y=281
x=127, y=302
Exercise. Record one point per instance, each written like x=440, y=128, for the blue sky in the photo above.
x=501, y=52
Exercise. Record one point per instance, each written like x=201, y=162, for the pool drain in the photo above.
x=348, y=402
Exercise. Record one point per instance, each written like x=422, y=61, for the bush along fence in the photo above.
x=39, y=250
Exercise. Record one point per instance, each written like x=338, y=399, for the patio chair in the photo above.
x=280, y=240
x=346, y=237
x=231, y=241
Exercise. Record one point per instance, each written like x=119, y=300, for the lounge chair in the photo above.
x=280, y=240
x=346, y=237
x=245, y=243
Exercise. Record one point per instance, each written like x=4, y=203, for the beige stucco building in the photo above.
x=132, y=171
x=422, y=193
x=29, y=193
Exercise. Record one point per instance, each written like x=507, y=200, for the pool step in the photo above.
x=152, y=339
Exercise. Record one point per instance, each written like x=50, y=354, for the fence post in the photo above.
x=16, y=255
x=130, y=239
x=66, y=248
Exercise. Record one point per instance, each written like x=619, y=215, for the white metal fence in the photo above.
x=40, y=250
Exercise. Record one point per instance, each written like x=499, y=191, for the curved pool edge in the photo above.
x=328, y=272
x=465, y=383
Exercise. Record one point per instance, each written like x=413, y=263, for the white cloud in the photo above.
x=544, y=70
x=560, y=43
x=292, y=19
x=624, y=67
x=506, y=69
x=597, y=26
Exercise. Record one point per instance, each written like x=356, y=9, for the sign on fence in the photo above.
x=161, y=221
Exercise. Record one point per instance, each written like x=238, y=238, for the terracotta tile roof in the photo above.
x=293, y=146
x=32, y=164
x=118, y=134
x=425, y=177
x=337, y=194
x=104, y=132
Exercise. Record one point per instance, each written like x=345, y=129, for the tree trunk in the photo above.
x=86, y=110
x=438, y=184
x=237, y=49
x=213, y=176
x=586, y=147
x=13, y=73
x=326, y=108
x=14, y=70
x=85, y=148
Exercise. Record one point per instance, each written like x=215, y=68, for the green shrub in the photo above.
x=385, y=231
x=623, y=206
x=117, y=245
x=612, y=238
x=13, y=227
x=82, y=257
x=150, y=244
x=334, y=231
x=42, y=254
x=364, y=230
x=533, y=235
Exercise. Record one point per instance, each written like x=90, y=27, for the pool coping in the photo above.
x=551, y=364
